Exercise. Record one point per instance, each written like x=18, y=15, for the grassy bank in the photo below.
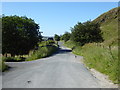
x=3, y=67
x=70, y=44
x=13, y=59
x=42, y=52
x=45, y=49
x=99, y=57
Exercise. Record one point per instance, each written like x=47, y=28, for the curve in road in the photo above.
x=62, y=70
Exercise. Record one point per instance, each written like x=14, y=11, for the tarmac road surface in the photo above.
x=61, y=70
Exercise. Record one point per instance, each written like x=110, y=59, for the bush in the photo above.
x=42, y=52
x=66, y=36
x=57, y=37
x=19, y=35
x=45, y=43
x=87, y=32
x=50, y=42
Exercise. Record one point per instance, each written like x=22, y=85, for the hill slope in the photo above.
x=109, y=26
x=103, y=57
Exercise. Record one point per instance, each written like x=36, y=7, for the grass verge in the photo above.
x=3, y=67
x=46, y=48
x=103, y=59
x=13, y=59
x=42, y=52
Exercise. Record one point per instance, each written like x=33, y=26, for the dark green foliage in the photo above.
x=66, y=36
x=57, y=37
x=87, y=32
x=20, y=35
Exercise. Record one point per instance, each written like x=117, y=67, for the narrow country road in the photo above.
x=62, y=70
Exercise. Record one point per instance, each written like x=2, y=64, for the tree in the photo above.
x=66, y=36
x=57, y=37
x=20, y=35
x=87, y=32
x=61, y=37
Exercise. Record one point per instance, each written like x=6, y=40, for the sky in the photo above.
x=57, y=17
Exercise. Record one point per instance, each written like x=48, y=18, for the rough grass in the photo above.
x=3, y=67
x=110, y=32
x=70, y=44
x=46, y=48
x=42, y=52
x=103, y=59
x=109, y=26
x=13, y=59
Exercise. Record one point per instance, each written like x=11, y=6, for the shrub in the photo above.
x=45, y=43
x=42, y=52
x=87, y=32
x=57, y=37
x=20, y=35
x=66, y=36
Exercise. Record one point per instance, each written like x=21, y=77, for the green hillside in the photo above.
x=103, y=56
x=109, y=26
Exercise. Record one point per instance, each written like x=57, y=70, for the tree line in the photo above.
x=19, y=35
x=83, y=33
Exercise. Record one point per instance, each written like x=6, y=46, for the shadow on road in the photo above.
x=62, y=51
x=59, y=51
